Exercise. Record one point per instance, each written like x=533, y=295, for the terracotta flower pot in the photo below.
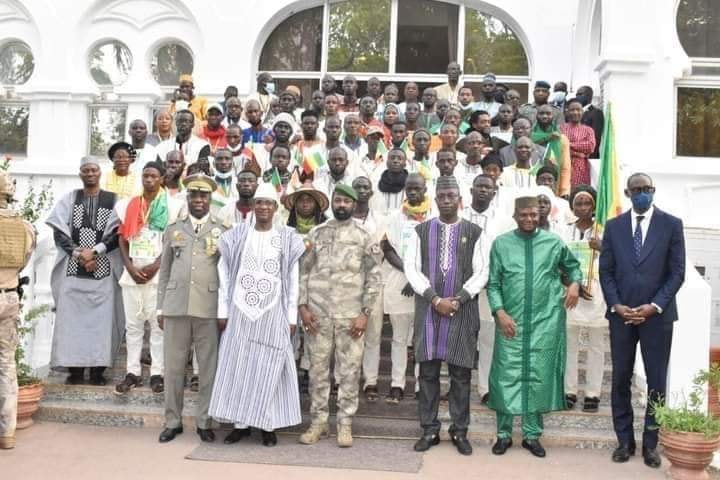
x=28, y=403
x=689, y=453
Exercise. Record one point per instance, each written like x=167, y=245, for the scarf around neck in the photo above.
x=417, y=212
x=137, y=215
x=553, y=148
x=304, y=225
x=392, y=182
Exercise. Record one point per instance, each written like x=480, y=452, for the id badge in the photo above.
x=146, y=245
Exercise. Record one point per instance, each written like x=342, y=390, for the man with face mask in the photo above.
x=264, y=93
x=339, y=285
x=642, y=266
x=541, y=94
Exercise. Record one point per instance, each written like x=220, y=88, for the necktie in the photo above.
x=637, y=236
x=197, y=228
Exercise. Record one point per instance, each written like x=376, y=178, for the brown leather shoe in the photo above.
x=6, y=443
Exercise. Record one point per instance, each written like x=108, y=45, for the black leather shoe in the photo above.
x=623, y=452
x=269, y=439
x=425, y=442
x=236, y=435
x=651, y=457
x=461, y=443
x=206, y=435
x=169, y=434
x=534, y=447
x=501, y=446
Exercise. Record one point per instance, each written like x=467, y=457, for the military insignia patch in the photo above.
x=216, y=232
x=177, y=236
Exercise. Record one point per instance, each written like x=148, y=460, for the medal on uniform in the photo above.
x=210, y=246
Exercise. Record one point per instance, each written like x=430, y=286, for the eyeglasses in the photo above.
x=636, y=190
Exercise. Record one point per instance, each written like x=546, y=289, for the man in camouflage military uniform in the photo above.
x=541, y=93
x=188, y=304
x=339, y=283
x=17, y=240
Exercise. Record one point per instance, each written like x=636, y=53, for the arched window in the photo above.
x=16, y=63
x=110, y=63
x=169, y=61
x=394, y=40
x=16, y=67
x=698, y=95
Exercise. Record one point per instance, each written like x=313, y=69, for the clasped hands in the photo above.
x=636, y=315
x=447, y=306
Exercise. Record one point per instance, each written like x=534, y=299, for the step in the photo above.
x=93, y=405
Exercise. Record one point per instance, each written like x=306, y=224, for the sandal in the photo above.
x=570, y=400
x=371, y=393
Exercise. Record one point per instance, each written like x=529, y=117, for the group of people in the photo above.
x=470, y=224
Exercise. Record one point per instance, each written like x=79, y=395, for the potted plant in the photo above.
x=688, y=432
x=30, y=388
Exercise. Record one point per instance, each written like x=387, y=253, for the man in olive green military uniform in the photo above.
x=187, y=304
x=541, y=93
x=17, y=241
x=339, y=283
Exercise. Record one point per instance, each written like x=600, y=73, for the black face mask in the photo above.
x=342, y=213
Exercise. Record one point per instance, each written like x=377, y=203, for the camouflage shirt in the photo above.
x=340, y=270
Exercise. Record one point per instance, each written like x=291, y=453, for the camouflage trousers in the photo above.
x=8, y=376
x=333, y=336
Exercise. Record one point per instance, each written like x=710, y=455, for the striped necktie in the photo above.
x=637, y=236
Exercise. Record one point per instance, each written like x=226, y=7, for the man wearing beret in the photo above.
x=339, y=285
x=528, y=300
x=188, y=304
x=541, y=93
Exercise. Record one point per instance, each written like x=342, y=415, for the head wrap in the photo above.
x=346, y=191
x=284, y=117
x=186, y=78
x=294, y=90
x=120, y=146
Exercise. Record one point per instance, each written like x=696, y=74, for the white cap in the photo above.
x=216, y=106
x=266, y=191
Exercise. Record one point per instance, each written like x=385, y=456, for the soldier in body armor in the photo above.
x=17, y=240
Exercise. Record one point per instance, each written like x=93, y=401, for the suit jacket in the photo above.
x=655, y=277
x=188, y=278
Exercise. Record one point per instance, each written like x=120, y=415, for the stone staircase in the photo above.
x=92, y=405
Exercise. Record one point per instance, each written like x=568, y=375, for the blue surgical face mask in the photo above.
x=641, y=201
x=270, y=87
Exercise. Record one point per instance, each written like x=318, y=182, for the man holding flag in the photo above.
x=144, y=219
x=642, y=266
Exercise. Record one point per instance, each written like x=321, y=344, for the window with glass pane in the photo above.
x=306, y=86
x=296, y=44
x=426, y=36
x=698, y=122
x=698, y=27
x=16, y=63
x=13, y=129
x=169, y=62
x=359, y=39
x=110, y=63
x=107, y=126
x=491, y=46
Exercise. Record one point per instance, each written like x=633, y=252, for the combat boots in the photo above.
x=7, y=443
x=344, y=436
x=313, y=434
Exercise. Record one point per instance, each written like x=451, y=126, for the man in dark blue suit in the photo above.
x=642, y=266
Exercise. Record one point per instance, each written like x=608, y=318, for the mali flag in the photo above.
x=276, y=180
x=609, y=203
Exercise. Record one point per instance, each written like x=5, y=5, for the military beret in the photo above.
x=542, y=84
x=347, y=191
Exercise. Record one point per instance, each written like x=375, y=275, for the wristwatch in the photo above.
x=366, y=311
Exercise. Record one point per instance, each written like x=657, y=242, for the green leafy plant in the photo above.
x=690, y=416
x=26, y=327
